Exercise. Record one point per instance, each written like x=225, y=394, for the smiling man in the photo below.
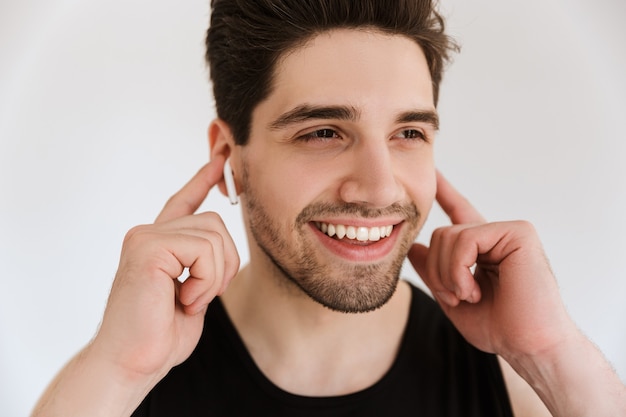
x=338, y=169
x=327, y=113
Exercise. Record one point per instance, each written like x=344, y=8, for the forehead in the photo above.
x=366, y=69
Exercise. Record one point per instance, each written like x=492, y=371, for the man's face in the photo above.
x=338, y=173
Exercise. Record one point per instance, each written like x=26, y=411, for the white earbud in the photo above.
x=230, y=183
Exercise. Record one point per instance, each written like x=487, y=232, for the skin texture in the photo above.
x=372, y=162
x=366, y=172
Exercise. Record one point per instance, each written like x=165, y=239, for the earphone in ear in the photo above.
x=230, y=183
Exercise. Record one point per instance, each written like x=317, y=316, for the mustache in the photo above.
x=408, y=211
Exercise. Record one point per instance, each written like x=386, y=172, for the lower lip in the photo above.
x=357, y=252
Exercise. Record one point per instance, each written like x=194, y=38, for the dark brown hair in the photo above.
x=246, y=38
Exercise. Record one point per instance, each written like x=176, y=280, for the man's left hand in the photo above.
x=510, y=304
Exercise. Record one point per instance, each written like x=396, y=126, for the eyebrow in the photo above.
x=309, y=112
x=423, y=116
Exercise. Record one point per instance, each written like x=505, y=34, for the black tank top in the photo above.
x=436, y=373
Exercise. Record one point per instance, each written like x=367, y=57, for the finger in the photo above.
x=213, y=222
x=457, y=254
x=206, y=276
x=190, y=197
x=460, y=278
x=205, y=223
x=454, y=204
x=445, y=266
x=425, y=261
x=438, y=269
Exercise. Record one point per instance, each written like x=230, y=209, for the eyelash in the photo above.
x=328, y=133
x=319, y=135
x=411, y=134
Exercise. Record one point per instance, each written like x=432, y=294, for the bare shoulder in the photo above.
x=524, y=399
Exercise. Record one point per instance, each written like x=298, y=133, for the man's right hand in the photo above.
x=152, y=320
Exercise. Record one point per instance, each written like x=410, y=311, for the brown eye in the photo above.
x=320, y=134
x=324, y=133
x=412, y=134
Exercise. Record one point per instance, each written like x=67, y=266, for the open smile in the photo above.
x=358, y=243
x=359, y=233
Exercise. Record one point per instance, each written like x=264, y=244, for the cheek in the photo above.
x=420, y=181
x=281, y=187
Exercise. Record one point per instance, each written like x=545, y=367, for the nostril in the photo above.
x=371, y=190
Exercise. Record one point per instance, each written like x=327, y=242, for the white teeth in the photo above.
x=361, y=233
x=341, y=231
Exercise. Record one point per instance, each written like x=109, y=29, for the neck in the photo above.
x=306, y=348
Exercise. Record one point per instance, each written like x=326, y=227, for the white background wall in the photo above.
x=104, y=107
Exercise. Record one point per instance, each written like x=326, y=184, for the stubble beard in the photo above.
x=343, y=287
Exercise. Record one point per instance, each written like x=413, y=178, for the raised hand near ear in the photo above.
x=510, y=305
x=152, y=321
x=511, y=302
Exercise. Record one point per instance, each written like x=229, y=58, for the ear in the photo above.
x=222, y=144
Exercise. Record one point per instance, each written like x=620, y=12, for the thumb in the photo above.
x=417, y=255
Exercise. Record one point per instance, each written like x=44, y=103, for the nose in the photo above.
x=370, y=177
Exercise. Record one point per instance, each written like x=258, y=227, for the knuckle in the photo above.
x=439, y=232
x=525, y=226
x=465, y=236
x=207, y=247
x=212, y=217
x=216, y=238
x=135, y=233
